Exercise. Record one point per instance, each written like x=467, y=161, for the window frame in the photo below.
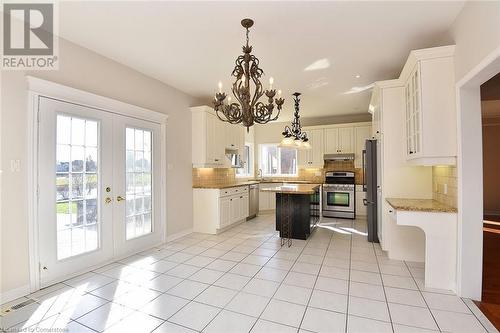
x=248, y=162
x=278, y=150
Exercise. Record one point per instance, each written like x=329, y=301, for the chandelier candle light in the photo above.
x=249, y=109
x=293, y=137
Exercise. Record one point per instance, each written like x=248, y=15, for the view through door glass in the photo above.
x=138, y=183
x=77, y=184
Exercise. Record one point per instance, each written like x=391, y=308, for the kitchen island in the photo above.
x=297, y=209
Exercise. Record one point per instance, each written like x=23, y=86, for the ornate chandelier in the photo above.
x=293, y=137
x=249, y=110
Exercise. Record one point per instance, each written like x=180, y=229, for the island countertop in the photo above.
x=293, y=189
x=420, y=205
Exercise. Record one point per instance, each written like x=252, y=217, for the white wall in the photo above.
x=83, y=69
x=476, y=32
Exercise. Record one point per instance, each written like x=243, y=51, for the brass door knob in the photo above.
x=120, y=198
x=108, y=200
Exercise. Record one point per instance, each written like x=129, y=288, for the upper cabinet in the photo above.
x=235, y=136
x=313, y=158
x=361, y=134
x=211, y=137
x=339, y=140
x=334, y=139
x=430, y=113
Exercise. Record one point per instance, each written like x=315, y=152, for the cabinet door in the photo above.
x=346, y=140
x=244, y=209
x=225, y=211
x=408, y=117
x=263, y=200
x=211, y=139
x=303, y=158
x=417, y=132
x=215, y=140
x=361, y=135
x=316, y=152
x=331, y=140
x=235, y=208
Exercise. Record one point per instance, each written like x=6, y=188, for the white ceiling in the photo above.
x=191, y=46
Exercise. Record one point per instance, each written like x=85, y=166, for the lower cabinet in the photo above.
x=267, y=200
x=215, y=209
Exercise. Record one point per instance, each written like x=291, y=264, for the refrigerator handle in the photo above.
x=364, y=169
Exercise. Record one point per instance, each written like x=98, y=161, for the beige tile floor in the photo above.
x=243, y=281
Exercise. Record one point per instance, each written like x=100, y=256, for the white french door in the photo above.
x=97, y=176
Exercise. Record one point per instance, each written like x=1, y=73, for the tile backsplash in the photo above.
x=445, y=176
x=213, y=176
x=221, y=176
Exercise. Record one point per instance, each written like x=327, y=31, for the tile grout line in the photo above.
x=349, y=283
x=315, y=281
x=383, y=288
x=422, y=295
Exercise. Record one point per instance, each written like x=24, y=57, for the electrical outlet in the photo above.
x=317, y=173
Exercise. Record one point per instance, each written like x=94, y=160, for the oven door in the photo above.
x=338, y=200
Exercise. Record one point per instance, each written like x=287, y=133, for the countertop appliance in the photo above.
x=339, y=194
x=371, y=188
x=253, y=201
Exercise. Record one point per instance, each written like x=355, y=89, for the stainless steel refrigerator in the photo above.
x=370, y=187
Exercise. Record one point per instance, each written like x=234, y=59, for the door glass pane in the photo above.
x=77, y=190
x=138, y=182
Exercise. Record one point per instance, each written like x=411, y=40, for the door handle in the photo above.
x=108, y=200
x=120, y=198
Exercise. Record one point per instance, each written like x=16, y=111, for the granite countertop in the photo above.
x=252, y=182
x=420, y=205
x=221, y=186
x=293, y=189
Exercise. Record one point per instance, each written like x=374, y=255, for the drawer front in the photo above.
x=233, y=191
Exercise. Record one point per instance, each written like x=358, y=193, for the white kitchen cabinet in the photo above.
x=208, y=137
x=234, y=136
x=361, y=133
x=225, y=211
x=395, y=178
x=214, y=209
x=313, y=158
x=331, y=140
x=346, y=140
x=211, y=137
x=339, y=140
x=267, y=200
x=430, y=112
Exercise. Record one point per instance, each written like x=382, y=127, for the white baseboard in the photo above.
x=179, y=234
x=13, y=294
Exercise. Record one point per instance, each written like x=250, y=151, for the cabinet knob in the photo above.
x=390, y=211
x=411, y=152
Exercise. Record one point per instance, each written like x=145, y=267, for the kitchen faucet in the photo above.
x=260, y=174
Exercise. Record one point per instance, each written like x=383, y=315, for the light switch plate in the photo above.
x=15, y=165
x=445, y=188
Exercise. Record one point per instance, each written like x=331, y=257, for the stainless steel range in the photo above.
x=339, y=194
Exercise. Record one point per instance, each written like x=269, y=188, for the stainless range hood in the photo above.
x=338, y=157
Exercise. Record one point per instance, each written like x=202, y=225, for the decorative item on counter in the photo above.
x=293, y=137
x=249, y=110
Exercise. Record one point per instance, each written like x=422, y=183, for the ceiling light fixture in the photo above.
x=358, y=76
x=249, y=110
x=293, y=137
